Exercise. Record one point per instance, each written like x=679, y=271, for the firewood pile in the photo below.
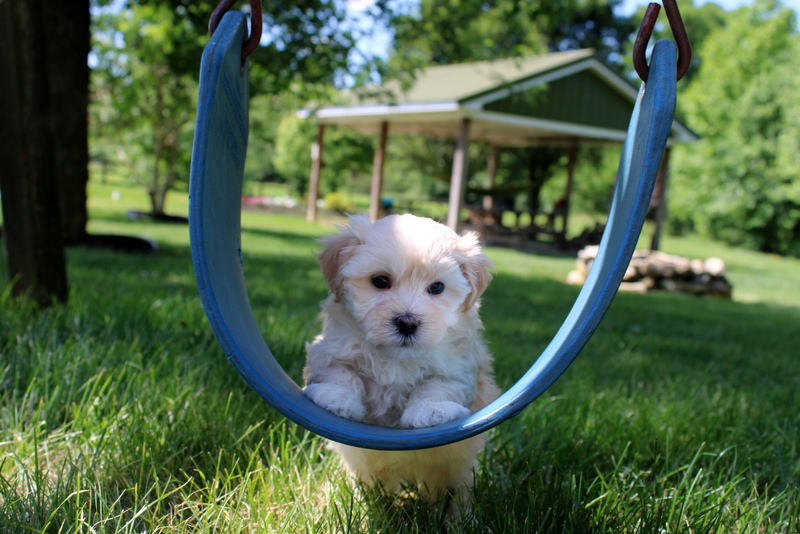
x=651, y=270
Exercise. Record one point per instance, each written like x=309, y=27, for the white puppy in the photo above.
x=401, y=346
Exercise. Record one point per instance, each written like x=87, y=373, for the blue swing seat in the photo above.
x=215, y=231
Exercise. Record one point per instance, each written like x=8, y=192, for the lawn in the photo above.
x=120, y=413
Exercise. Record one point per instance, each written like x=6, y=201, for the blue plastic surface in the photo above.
x=214, y=218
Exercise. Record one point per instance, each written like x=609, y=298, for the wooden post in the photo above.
x=571, y=152
x=458, y=180
x=488, y=200
x=316, y=172
x=377, y=174
x=660, y=196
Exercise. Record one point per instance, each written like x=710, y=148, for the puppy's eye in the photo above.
x=381, y=282
x=436, y=288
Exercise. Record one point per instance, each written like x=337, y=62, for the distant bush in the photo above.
x=339, y=202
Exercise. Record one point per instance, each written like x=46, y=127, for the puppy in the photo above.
x=401, y=346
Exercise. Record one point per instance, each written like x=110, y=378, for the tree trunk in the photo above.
x=156, y=204
x=159, y=137
x=571, y=153
x=67, y=45
x=172, y=163
x=155, y=189
x=33, y=242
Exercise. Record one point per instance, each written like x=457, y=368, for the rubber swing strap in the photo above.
x=214, y=218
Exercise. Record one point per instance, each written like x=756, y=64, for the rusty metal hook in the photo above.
x=256, y=23
x=678, y=32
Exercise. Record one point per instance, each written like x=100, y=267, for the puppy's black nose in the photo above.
x=407, y=324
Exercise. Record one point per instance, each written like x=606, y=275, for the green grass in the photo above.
x=120, y=413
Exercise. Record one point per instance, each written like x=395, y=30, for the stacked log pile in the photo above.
x=651, y=270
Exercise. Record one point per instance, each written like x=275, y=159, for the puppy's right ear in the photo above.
x=475, y=266
x=336, y=250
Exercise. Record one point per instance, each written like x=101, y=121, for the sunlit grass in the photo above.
x=120, y=413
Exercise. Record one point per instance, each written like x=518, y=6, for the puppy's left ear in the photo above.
x=475, y=266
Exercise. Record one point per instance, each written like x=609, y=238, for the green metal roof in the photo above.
x=563, y=97
x=459, y=82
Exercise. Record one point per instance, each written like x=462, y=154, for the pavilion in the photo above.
x=563, y=98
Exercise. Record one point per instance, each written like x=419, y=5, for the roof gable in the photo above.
x=581, y=98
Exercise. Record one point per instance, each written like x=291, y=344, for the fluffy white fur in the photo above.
x=403, y=355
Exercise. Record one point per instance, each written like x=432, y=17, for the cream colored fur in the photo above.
x=365, y=367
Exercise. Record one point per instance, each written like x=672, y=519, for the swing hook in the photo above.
x=255, y=23
x=678, y=32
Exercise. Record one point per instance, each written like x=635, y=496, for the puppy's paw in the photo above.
x=432, y=414
x=337, y=400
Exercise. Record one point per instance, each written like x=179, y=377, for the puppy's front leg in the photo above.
x=437, y=402
x=339, y=391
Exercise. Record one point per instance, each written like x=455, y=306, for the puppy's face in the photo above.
x=404, y=279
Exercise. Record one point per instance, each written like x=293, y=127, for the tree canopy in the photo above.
x=148, y=58
x=305, y=43
x=740, y=182
x=143, y=108
x=453, y=31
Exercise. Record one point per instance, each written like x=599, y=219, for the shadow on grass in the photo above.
x=290, y=238
x=654, y=336
x=284, y=290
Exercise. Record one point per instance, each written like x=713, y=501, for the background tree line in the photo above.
x=737, y=184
